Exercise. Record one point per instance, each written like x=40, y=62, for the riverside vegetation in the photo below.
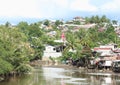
x=25, y=42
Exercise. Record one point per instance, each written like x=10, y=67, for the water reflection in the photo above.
x=60, y=76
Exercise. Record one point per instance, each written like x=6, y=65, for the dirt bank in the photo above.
x=65, y=66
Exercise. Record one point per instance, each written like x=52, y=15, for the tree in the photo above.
x=87, y=20
x=23, y=26
x=46, y=23
x=85, y=37
x=97, y=19
x=5, y=67
x=7, y=24
x=34, y=31
x=104, y=19
x=92, y=19
x=77, y=22
x=58, y=22
x=35, y=37
x=70, y=44
x=15, y=50
x=114, y=22
x=86, y=51
x=38, y=46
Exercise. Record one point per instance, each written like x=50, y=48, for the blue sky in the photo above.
x=15, y=11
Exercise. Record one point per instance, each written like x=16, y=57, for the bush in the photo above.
x=23, y=68
x=5, y=67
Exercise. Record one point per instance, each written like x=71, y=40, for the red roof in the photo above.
x=102, y=48
x=117, y=51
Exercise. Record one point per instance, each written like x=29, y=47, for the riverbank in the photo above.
x=64, y=66
x=67, y=66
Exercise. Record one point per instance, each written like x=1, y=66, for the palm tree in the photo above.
x=114, y=22
x=70, y=41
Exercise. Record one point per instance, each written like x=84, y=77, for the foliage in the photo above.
x=5, y=67
x=14, y=48
x=58, y=22
x=86, y=51
x=35, y=36
x=68, y=55
x=114, y=22
x=7, y=24
x=23, y=68
x=77, y=22
x=46, y=23
x=97, y=19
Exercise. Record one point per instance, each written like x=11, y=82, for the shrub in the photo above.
x=5, y=67
x=23, y=68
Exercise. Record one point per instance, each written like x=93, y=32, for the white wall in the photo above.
x=49, y=51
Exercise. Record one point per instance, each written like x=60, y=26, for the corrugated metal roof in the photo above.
x=101, y=49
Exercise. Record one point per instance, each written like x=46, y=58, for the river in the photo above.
x=64, y=76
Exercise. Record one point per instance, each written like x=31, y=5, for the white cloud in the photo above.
x=62, y=3
x=24, y=8
x=42, y=8
x=112, y=6
x=82, y=5
x=52, y=8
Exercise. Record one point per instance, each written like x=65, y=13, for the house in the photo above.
x=108, y=52
x=52, y=33
x=116, y=26
x=50, y=51
x=80, y=19
x=117, y=32
x=105, y=50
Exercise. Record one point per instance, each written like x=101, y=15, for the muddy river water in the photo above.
x=64, y=76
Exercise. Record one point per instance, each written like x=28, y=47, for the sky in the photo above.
x=15, y=11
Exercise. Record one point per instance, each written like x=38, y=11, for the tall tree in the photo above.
x=58, y=22
x=15, y=49
x=7, y=24
x=114, y=22
x=47, y=23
